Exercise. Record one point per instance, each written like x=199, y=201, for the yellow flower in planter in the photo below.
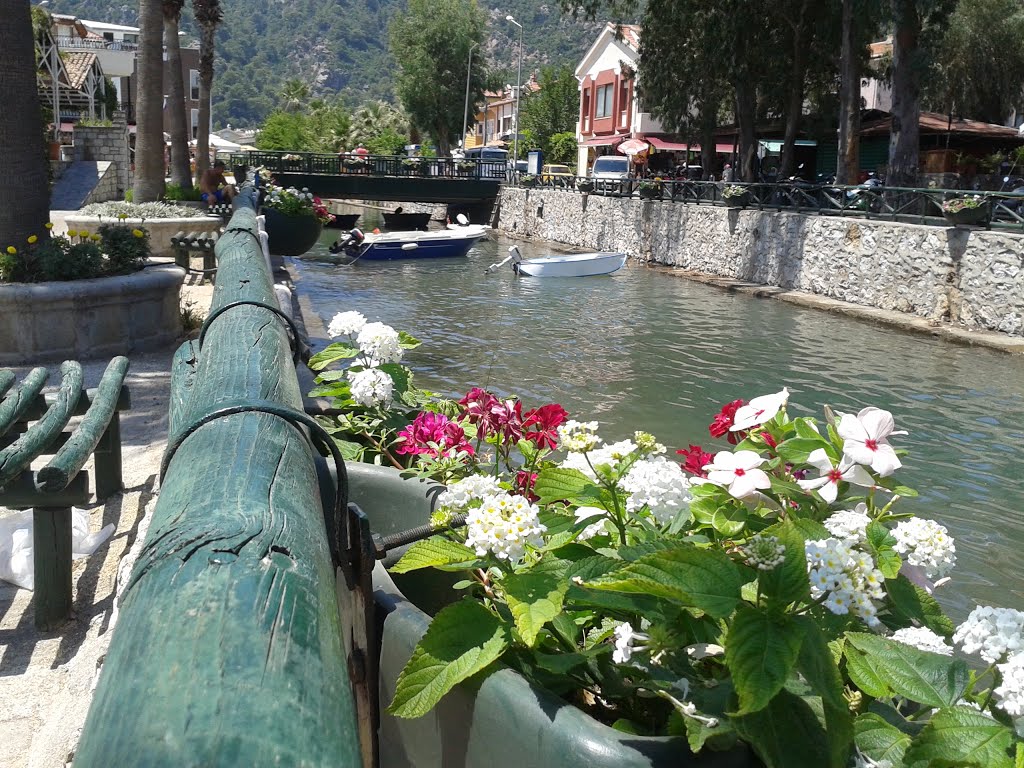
x=72, y=233
x=95, y=238
x=32, y=239
x=11, y=250
x=49, y=225
x=138, y=233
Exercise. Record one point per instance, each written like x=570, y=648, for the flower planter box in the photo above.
x=502, y=721
x=585, y=187
x=87, y=319
x=736, y=201
x=964, y=216
x=291, y=235
x=160, y=230
x=649, y=194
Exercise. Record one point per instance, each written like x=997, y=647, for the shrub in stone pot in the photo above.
x=528, y=180
x=966, y=210
x=649, y=190
x=735, y=196
x=160, y=220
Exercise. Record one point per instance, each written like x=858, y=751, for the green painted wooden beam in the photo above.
x=41, y=403
x=21, y=492
x=227, y=650
x=7, y=378
x=20, y=400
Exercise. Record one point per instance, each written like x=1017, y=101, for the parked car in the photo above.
x=559, y=175
x=610, y=167
x=493, y=160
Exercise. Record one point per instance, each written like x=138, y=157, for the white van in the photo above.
x=494, y=159
x=610, y=167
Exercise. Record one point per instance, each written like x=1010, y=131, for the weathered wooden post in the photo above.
x=228, y=649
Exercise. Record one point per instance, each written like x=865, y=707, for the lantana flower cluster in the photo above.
x=504, y=525
x=378, y=344
x=845, y=578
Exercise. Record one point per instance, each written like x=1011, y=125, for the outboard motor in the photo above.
x=348, y=243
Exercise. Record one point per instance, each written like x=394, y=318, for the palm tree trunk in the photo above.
x=181, y=173
x=24, y=188
x=149, y=137
x=206, y=42
x=848, y=167
x=906, y=89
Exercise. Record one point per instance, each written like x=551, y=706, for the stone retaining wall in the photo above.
x=969, y=276
x=107, y=143
x=107, y=187
x=160, y=230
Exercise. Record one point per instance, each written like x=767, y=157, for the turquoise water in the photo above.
x=646, y=350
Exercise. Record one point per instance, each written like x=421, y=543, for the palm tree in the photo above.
x=180, y=172
x=294, y=95
x=374, y=118
x=24, y=189
x=208, y=14
x=149, y=136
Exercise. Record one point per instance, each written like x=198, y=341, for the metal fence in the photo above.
x=372, y=165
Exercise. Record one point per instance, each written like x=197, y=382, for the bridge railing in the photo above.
x=391, y=166
x=914, y=205
x=228, y=649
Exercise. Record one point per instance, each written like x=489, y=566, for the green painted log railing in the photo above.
x=228, y=648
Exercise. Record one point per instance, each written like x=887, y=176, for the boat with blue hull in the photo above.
x=442, y=244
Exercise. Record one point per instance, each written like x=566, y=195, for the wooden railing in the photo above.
x=228, y=648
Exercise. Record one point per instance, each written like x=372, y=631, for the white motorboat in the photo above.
x=567, y=265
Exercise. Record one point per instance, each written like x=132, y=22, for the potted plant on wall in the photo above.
x=294, y=218
x=528, y=180
x=772, y=588
x=584, y=185
x=649, y=189
x=968, y=209
x=735, y=196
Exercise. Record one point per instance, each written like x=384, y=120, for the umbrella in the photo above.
x=632, y=147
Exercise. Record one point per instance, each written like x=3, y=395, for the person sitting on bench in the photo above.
x=214, y=186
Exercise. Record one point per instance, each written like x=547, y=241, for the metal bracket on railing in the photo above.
x=300, y=351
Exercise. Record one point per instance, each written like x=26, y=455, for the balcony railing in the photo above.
x=77, y=43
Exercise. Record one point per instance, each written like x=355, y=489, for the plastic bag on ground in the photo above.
x=16, y=565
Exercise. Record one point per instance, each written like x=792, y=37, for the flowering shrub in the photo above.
x=122, y=210
x=770, y=588
x=294, y=202
x=733, y=191
x=412, y=163
x=115, y=249
x=957, y=204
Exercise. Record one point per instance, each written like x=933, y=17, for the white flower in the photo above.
x=863, y=761
x=346, y=324
x=371, y=387
x=923, y=639
x=864, y=439
x=827, y=484
x=379, y=342
x=594, y=529
x=660, y=485
x=738, y=472
x=927, y=545
x=1009, y=694
x=846, y=577
x=626, y=643
x=459, y=495
x=849, y=526
x=578, y=437
x=503, y=525
x=992, y=633
x=759, y=410
x=764, y=552
x=607, y=454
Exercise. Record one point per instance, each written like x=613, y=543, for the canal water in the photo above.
x=643, y=349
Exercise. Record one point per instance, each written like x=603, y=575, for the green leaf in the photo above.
x=785, y=734
x=818, y=667
x=693, y=578
x=786, y=488
x=909, y=603
x=797, y=449
x=811, y=530
x=730, y=520
x=433, y=552
x=760, y=651
x=880, y=544
x=331, y=389
x=462, y=639
x=350, y=451
x=786, y=583
x=325, y=376
x=331, y=354
x=400, y=375
x=704, y=508
x=563, y=663
x=535, y=597
x=961, y=736
x=864, y=675
x=929, y=678
x=557, y=484
x=405, y=341
x=804, y=429
x=880, y=740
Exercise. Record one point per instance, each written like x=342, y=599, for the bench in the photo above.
x=187, y=243
x=223, y=210
x=33, y=425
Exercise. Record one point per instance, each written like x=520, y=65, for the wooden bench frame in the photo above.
x=31, y=425
x=204, y=243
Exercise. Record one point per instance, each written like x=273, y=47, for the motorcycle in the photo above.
x=1008, y=207
x=864, y=196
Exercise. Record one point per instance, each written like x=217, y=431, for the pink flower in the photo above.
x=696, y=459
x=724, y=420
x=524, y=483
x=540, y=426
x=492, y=416
x=433, y=434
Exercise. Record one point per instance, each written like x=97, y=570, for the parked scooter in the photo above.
x=1010, y=205
x=863, y=197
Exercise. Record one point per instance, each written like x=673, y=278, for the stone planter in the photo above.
x=503, y=721
x=160, y=230
x=736, y=201
x=978, y=215
x=649, y=194
x=83, y=319
x=291, y=235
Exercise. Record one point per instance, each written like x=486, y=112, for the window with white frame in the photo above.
x=193, y=84
x=195, y=123
x=604, y=101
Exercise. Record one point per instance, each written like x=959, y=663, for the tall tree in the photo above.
x=24, y=188
x=208, y=15
x=180, y=171
x=552, y=109
x=431, y=42
x=848, y=165
x=294, y=95
x=149, y=118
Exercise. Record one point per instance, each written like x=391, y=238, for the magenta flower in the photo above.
x=540, y=426
x=492, y=416
x=433, y=434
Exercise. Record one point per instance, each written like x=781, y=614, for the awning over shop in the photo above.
x=602, y=141
x=671, y=146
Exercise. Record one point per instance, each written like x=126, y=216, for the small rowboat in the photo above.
x=344, y=221
x=567, y=265
x=445, y=243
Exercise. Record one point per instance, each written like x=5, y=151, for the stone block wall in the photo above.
x=107, y=143
x=107, y=186
x=969, y=276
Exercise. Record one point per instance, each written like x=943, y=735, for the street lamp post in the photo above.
x=465, y=111
x=519, y=89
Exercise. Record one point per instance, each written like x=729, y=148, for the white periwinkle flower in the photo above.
x=371, y=387
x=458, y=496
x=992, y=633
x=849, y=525
x=1009, y=694
x=503, y=525
x=626, y=643
x=379, y=342
x=759, y=410
x=847, y=576
x=864, y=439
x=927, y=545
x=827, y=483
x=660, y=485
x=923, y=639
x=578, y=436
x=738, y=472
x=346, y=324
x=764, y=552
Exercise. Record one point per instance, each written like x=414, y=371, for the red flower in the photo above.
x=524, y=483
x=696, y=459
x=540, y=426
x=768, y=439
x=433, y=434
x=492, y=416
x=724, y=420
